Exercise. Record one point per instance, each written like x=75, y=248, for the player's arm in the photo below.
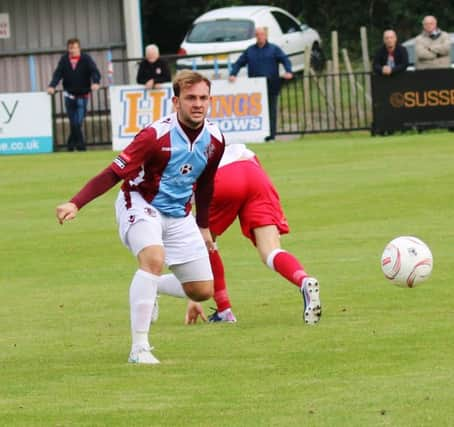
x=97, y=186
x=204, y=191
x=128, y=161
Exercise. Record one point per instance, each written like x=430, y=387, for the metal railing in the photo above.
x=308, y=103
x=313, y=103
x=97, y=123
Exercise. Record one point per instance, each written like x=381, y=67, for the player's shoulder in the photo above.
x=214, y=130
x=164, y=125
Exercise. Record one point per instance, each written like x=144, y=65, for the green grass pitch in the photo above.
x=381, y=355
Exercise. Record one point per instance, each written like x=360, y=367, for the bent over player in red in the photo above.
x=243, y=189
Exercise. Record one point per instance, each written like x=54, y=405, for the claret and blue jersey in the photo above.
x=165, y=167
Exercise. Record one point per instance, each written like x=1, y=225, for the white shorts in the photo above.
x=180, y=237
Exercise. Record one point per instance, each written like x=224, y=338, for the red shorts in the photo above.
x=243, y=189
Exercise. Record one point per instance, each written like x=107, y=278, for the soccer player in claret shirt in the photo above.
x=160, y=169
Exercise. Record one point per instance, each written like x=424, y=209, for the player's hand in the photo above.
x=208, y=238
x=66, y=212
x=288, y=76
x=95, y=86
x=50, y=90
x=193, y=312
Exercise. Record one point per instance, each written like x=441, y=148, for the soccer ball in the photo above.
x=406, y=261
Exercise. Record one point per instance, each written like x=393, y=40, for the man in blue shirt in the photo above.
x=80, y=76
x=262, y=60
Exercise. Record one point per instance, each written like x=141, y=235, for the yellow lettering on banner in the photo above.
x=444, y=97
x=420, y=103
x=133, y=111
x=432, y=98
x=241, y=105
x=132, y=108
x=256, y=104
x=238, y=105
x=156, y=107
x=409, y=99
x=452, y=96
x=225, y=106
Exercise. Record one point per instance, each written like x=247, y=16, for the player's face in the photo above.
x=192, y=104
x=74, y=49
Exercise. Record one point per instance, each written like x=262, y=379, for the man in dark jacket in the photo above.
x=392, y=57
x=262, y=60
x=153, y=69
x=80, y=76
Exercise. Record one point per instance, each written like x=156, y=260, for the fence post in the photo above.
x=366, y=61
x=337, y=86
x=306, y=86
x=353, y=84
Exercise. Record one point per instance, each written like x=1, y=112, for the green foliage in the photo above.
x=381, y=355
x=404, y=16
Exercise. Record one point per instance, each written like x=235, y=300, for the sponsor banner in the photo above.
x=240, y=109
x=25, y=123
x=423, y=98
x=37, y=144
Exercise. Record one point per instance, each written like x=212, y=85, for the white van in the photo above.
x=217, y=38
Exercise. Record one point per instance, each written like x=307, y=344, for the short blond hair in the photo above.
x=186, y=78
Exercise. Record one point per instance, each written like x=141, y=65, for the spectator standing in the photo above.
x=153, y=69
x=80, y=76
x=262, y=60
x=392, y=57
x=432, y=46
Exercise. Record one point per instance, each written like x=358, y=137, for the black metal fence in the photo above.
x=97, y=123
x=325, y=103
x=307, y=104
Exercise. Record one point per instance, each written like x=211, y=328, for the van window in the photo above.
x=287, y=24
x=222, y=30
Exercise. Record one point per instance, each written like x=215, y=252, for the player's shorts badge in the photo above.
x=150, y=212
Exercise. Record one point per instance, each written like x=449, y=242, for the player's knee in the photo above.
x=151, y=260
x=199, y=291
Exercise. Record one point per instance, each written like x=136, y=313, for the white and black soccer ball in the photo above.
x=407, y=261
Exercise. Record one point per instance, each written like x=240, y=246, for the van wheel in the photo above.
x=317, y=58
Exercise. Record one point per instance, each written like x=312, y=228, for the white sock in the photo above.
x=142, y=295
x=271, y=256
x=168, y=284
